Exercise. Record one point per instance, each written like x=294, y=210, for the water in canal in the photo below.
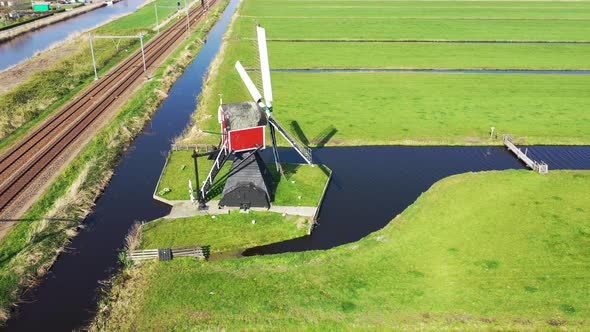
x=26, y=45
x=370, y=186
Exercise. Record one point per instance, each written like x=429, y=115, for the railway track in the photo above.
x=23, y=162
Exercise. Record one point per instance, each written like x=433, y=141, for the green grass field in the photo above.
x=423, y=108
x=381, y=108
x=406, y=108
x=425, y=55
x=516, y=257
x=422, y=9
x=411, y=29
x=225, y=232
x=345, y=55
x=300, y=180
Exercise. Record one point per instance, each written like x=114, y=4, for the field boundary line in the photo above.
x=434, y=41
x=419, y=18
x=434, y=70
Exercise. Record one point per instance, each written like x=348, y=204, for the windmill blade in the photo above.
x=303, y=151
x=249, y=84
x=275, y=152
x=264, y=66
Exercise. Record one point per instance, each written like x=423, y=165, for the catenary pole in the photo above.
x=93, y=58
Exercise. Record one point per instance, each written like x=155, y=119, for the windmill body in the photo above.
x=249, y=183
x=243, y=124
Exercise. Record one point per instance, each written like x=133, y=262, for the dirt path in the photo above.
x=15, y=75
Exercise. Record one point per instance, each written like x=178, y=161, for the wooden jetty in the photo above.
x=169, y=253
x=541, y=167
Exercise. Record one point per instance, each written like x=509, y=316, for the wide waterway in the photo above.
x=26, y=45
x=370, y=185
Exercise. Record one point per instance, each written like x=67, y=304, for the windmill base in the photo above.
x=249, y=183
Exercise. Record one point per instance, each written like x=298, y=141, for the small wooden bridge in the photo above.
x=201, y=252
x=541, y=167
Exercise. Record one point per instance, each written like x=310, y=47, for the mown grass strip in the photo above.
x=381, y=55
x=429, y=29
x=423, y=9
x=225, y=232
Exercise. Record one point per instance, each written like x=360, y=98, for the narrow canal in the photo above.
x=369, y=187
x=26, y=45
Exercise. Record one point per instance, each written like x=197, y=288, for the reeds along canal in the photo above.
x=370, y=186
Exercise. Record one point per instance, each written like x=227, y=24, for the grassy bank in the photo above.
x=302, y=185
x=225, y=232
x=227, y=235
x=411, y=108
x=32, y=245
x=516, y=257
x=32, y=101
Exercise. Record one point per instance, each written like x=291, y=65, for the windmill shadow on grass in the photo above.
x=325, y=136
x=288, y=171
x=320, y=140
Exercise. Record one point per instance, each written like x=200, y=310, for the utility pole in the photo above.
x=188, y=25
x=143, y=55
x=156, y=10
x=93, y=58
x=140, y=36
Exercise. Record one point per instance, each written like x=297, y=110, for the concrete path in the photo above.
x=181, y=209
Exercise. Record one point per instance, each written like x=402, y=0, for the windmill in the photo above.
x=243, y=135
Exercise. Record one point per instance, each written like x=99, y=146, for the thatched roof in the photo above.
x=243, y=115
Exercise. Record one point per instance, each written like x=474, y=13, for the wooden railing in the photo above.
x=201, y=252
x=197, y=147
x=540, y=167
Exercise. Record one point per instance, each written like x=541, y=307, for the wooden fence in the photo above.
x=201, y=252
x=197, y=147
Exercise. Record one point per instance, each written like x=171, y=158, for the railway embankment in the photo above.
x=34, y=243
x=45, y=21
x=58, y=75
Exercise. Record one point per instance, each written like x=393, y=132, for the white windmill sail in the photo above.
x=249, y=84
x=264, y=67
x=303, y=151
